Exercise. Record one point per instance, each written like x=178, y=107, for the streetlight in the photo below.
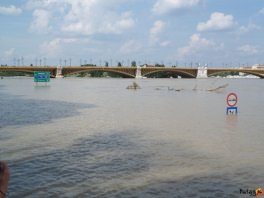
x=45, y=61
x=22, y=61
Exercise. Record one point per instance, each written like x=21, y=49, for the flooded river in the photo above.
x=94, y=138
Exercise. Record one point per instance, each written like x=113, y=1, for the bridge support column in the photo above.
x=202, y=72
x=59, y=72
x=138, y=72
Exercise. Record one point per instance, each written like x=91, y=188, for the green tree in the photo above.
x=106, y=64
x=159, y=65
x=119, y=64
x=133, y=64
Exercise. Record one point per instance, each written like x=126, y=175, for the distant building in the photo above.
x=249, y=67
x=258, y=66
x=146, y=65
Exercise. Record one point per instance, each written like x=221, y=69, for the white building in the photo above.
x=258, y=66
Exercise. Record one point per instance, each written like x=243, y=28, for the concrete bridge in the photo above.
x=134, y=72
x=52, y=70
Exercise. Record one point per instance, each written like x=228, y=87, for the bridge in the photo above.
x=134, y=72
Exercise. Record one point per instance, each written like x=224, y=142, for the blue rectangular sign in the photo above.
x=41, y=76
x=231, y=110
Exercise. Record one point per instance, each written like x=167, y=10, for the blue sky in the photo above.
x=186, y=32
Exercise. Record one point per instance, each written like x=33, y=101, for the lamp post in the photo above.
x=45, y=61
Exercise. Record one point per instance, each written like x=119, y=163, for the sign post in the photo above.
x=41, y=77
x=231, y=101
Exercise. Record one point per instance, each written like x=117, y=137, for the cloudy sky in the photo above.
x=182, y=32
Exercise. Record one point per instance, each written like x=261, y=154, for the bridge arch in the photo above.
x=180, y=73
x=29, y=70
x=243, y=71
x=114, y=71
x=20, y=71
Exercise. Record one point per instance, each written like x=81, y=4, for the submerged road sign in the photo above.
x=41, y=76
x=231, y=101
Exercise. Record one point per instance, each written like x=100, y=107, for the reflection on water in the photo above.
x=18, y=111
x=232, y=121
x=94, y=138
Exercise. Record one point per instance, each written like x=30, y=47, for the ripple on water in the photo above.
x=100, y=166
x=89, y=165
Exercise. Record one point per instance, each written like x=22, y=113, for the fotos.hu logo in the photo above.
x=256, y=193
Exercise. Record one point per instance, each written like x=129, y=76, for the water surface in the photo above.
x=94, y=138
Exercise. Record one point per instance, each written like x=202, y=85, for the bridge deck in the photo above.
x=131, y=71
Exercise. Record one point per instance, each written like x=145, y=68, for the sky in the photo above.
x=219, y=33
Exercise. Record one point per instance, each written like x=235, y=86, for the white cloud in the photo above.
x=218, y=21
x=156, y=30
x=165, y=43
x=261, y=11
x=40, y=23
x=81, y=18
x=9, y=53
x=125, y=22
x=11, y=10
x=87, y=17
x=196, y=44
x=167, y=6
x=131, y=46
x=54, y=47
x=248, y=49
x=248, y=28
x=36, y=4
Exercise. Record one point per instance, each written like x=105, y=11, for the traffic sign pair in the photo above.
x=231, y=101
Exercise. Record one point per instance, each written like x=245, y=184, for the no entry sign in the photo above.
x=231, y=99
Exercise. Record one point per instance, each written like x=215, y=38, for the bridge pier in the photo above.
x=138, y=72
x=59, y=72
x=202, y=72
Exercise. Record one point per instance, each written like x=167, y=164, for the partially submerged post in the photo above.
x=134, y=86
x=231, y=101
x=41, y=77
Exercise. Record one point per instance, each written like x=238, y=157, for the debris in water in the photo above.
x=134, y=86
x=179, y=89
x=170, y=89
x=195, y=88
x=219, y=88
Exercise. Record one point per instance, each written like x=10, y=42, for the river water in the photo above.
x=94, y=138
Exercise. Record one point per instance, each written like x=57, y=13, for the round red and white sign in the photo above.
x=231, y=99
